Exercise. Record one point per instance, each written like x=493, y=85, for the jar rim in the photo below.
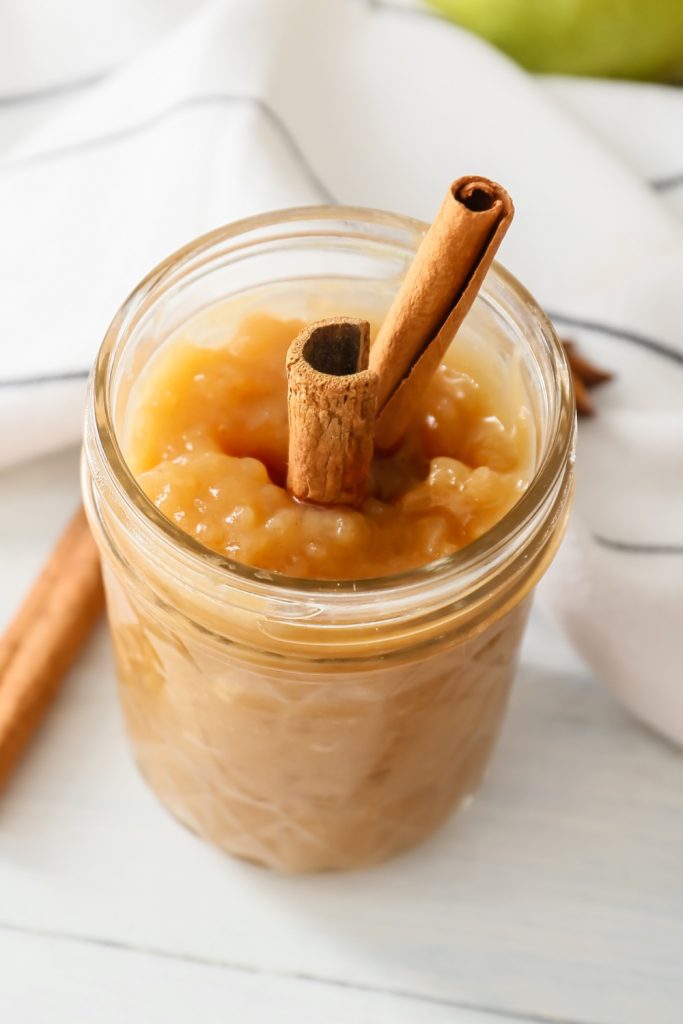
x=459, y=564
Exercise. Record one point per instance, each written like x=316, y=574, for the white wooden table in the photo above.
x=558, y=896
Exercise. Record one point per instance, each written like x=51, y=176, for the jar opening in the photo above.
x=331, y=229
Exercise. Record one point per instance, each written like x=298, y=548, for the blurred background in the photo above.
x=53, y=50
x=50, y=47
x=640, y=39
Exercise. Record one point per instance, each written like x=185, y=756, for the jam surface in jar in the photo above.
x=207, y=439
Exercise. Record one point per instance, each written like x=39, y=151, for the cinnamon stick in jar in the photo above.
x=435, y=296
x=45, y=636
x=332, y=401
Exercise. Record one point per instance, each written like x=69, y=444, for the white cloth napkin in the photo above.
x=245, y=107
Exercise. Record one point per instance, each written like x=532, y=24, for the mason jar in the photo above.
x=302, y=724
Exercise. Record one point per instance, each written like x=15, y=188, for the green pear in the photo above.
x=619, y=38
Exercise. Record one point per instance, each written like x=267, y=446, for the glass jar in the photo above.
x=300, y=724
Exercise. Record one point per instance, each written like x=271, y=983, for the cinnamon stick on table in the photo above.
x=585, y=376
x=435, y=296
x=44, y=638
x=332, y=398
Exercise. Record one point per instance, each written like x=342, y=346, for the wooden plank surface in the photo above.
x=557, y=896
x=81, y=981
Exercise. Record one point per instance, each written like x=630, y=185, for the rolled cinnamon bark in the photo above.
x=435, y=296
x=332, y=400
x=44, y=638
